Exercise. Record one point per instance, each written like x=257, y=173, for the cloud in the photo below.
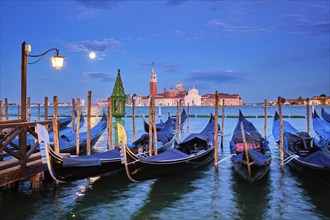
x=102, y=47
x=99, y=4
x=103, y=77
x=299, y=24
x=237, y=29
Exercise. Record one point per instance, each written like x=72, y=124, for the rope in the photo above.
x=290, y=158
x=225, y=158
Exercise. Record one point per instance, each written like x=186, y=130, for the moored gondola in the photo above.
x=67, y=140
x=325, y=115
x=193, y=152
x=302, y=152
x=322, y=129
x=63, y=168
x=161, y=124
x=253, y=162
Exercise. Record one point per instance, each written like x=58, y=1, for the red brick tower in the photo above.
x=153, y=82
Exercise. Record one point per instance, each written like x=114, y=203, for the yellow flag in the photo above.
x=121, y=134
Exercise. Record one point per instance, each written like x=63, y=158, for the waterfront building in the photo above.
x=230, y=100
x=193, y=98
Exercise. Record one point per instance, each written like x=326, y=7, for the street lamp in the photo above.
x=57, y=62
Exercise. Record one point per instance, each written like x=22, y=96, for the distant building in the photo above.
x=172, y=96
x=193, y=98
x=230, y=100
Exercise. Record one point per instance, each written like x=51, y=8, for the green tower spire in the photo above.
x=118, y=98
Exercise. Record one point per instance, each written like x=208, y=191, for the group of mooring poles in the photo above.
x=75, y=126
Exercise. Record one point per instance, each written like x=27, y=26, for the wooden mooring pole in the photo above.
x=109, y=123
x=266, y=119
x=73, y=114
x=46, y=108
x=0, y=109
x=6, y=108
x=78, y=126
x=154, y=127
x=56, y=126
x=216, y=140
x=89, y=105
x=133, y=119
x=29, y=108
x=150, y=126
x=279, y=103
x=308, y=116
x=38, y=112
x=246, y=150
x=222, y=121
x=188, y=117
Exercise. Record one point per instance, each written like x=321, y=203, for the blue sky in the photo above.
x=257, y=49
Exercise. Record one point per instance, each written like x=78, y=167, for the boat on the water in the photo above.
x=193, y=152
x=303, y=153
x=252, y=161
x=322, y=129
x=161, y=124
x=65, y=168
x=325, y=115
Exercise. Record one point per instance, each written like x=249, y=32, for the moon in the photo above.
x=92, y=55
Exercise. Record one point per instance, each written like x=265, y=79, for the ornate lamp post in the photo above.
x=57, y=62
x=118, y=104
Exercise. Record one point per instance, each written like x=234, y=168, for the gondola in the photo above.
x=302, y=152
x=67, y=140
x=325, y=115
x=321, y=128
x=259, y=156
x=161, y=124
x=64, y=122
x=193, y=152
x=66, y=133
x=64, y=169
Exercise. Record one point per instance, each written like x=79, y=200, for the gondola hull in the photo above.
x=140, y=170
x=257, y=171
x=63, y=173
x=303, y=153
x=311, y=170
x=108, y=163
x=257, y=149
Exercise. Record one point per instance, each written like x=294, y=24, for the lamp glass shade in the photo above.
x=57, y=61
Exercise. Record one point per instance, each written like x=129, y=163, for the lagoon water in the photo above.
x=202, y=194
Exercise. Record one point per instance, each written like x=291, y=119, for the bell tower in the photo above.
x=153, y=82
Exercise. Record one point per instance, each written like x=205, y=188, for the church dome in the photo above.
x=179, y=86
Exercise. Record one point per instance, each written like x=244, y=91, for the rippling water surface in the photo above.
x=201, y=194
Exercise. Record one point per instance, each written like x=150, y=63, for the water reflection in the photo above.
x=166, y=192
x=316, y=195
x=251, y=198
